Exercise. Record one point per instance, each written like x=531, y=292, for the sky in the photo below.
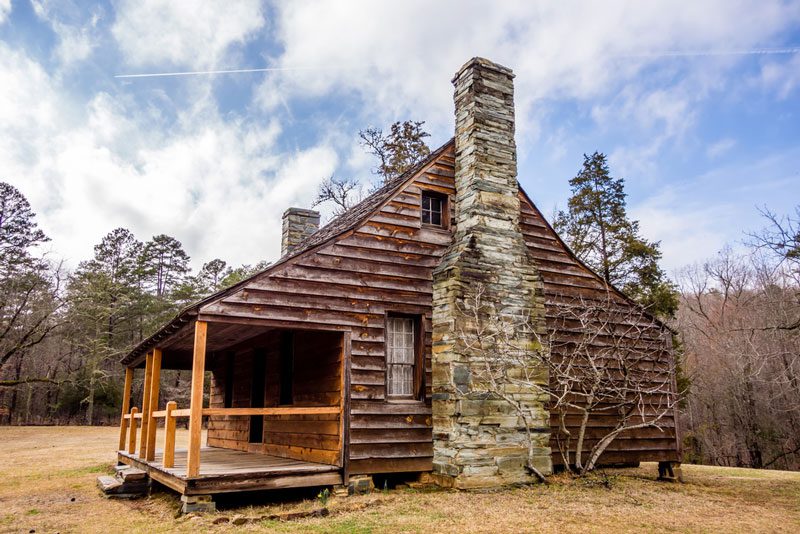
x=696, y=104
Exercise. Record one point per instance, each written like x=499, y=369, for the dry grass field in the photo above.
x=47, y=484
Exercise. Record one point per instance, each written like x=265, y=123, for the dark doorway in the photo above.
x=257, y=394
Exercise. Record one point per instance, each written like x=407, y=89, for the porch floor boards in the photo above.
x=224, y=470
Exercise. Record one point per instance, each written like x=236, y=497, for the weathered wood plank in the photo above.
x=196, y=403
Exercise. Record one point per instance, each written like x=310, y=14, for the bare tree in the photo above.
x=602, y=357
x=737, y=319
x=343, y=193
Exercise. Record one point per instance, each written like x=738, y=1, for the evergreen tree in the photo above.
x=19, y=233
x=106, y=307
x=164, y=264
x=597, y=228
x=398, y=150
x=211, y=275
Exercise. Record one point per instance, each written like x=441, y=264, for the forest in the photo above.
x=735, y=316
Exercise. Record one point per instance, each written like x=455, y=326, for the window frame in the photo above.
x=445, y=209
x=417, y=387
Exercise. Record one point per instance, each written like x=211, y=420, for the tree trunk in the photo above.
x=90, y=400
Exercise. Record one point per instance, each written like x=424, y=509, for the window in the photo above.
x=401, y=356
x=433, y=209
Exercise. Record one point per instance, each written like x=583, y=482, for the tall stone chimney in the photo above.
x=298, y=224
x=478, y=439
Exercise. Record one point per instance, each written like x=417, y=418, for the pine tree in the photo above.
x=397, y=151
x=597, y=228
x=164, y=264
x=106, y=307
x=211, y=275
x=19, y=233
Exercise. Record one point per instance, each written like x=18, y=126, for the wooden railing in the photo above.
x=172, y=413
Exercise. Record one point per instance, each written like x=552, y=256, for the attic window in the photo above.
x=433, y=209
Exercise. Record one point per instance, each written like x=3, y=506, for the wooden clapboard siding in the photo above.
x=566, y=279
x=347, y=279
x=350, y=283
x=317, y=382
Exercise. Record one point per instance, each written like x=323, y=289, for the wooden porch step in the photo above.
x=129, y=482
x=108, y=484
x=127, y=473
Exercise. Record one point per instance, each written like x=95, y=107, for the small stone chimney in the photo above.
x=298, y=224
x=479, y=441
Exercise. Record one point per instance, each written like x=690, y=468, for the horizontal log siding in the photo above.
x=385, y=265
x=566, y=279
x=317, y=382
x=351, y=283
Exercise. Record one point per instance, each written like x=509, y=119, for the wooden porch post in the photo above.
x=155, y=383
x=132, y=437
x=169, y=436
x=196, y=403
x=148, y=375
x=126, y=405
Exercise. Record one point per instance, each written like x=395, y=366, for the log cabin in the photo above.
x=342, y=357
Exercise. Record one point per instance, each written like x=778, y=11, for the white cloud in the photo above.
x=76, y=37
x=5, y=10
x=217, y=183
x=182, y=32
x=689, y=232
x=720, y=147
x=394, y=55
x=782, y=77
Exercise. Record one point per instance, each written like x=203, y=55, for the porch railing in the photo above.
x=172, y=413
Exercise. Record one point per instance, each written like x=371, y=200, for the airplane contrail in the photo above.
x=211, y=72
x=745, y=52
x=666, y=53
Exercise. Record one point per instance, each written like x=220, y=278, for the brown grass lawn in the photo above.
x=47, y=484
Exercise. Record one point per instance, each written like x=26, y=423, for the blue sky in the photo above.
x=697, y=105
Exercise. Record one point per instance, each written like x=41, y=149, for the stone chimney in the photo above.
x=478, y=439
x=298, y=224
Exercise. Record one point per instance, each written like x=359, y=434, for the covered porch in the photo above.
x=227, y=470
x=274, y=409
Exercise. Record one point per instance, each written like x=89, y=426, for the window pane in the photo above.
x=400, y=356
x=432, y=207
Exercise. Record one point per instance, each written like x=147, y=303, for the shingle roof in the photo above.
x=349, y=220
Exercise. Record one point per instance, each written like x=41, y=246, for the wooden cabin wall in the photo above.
x=225, y=431
x=565, y=278
x=317, y=381
x=384, y=266
x=351, y=284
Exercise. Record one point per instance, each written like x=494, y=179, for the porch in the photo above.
x=226, y=470
x=274, y=409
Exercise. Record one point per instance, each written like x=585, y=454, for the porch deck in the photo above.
x=227, y=470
